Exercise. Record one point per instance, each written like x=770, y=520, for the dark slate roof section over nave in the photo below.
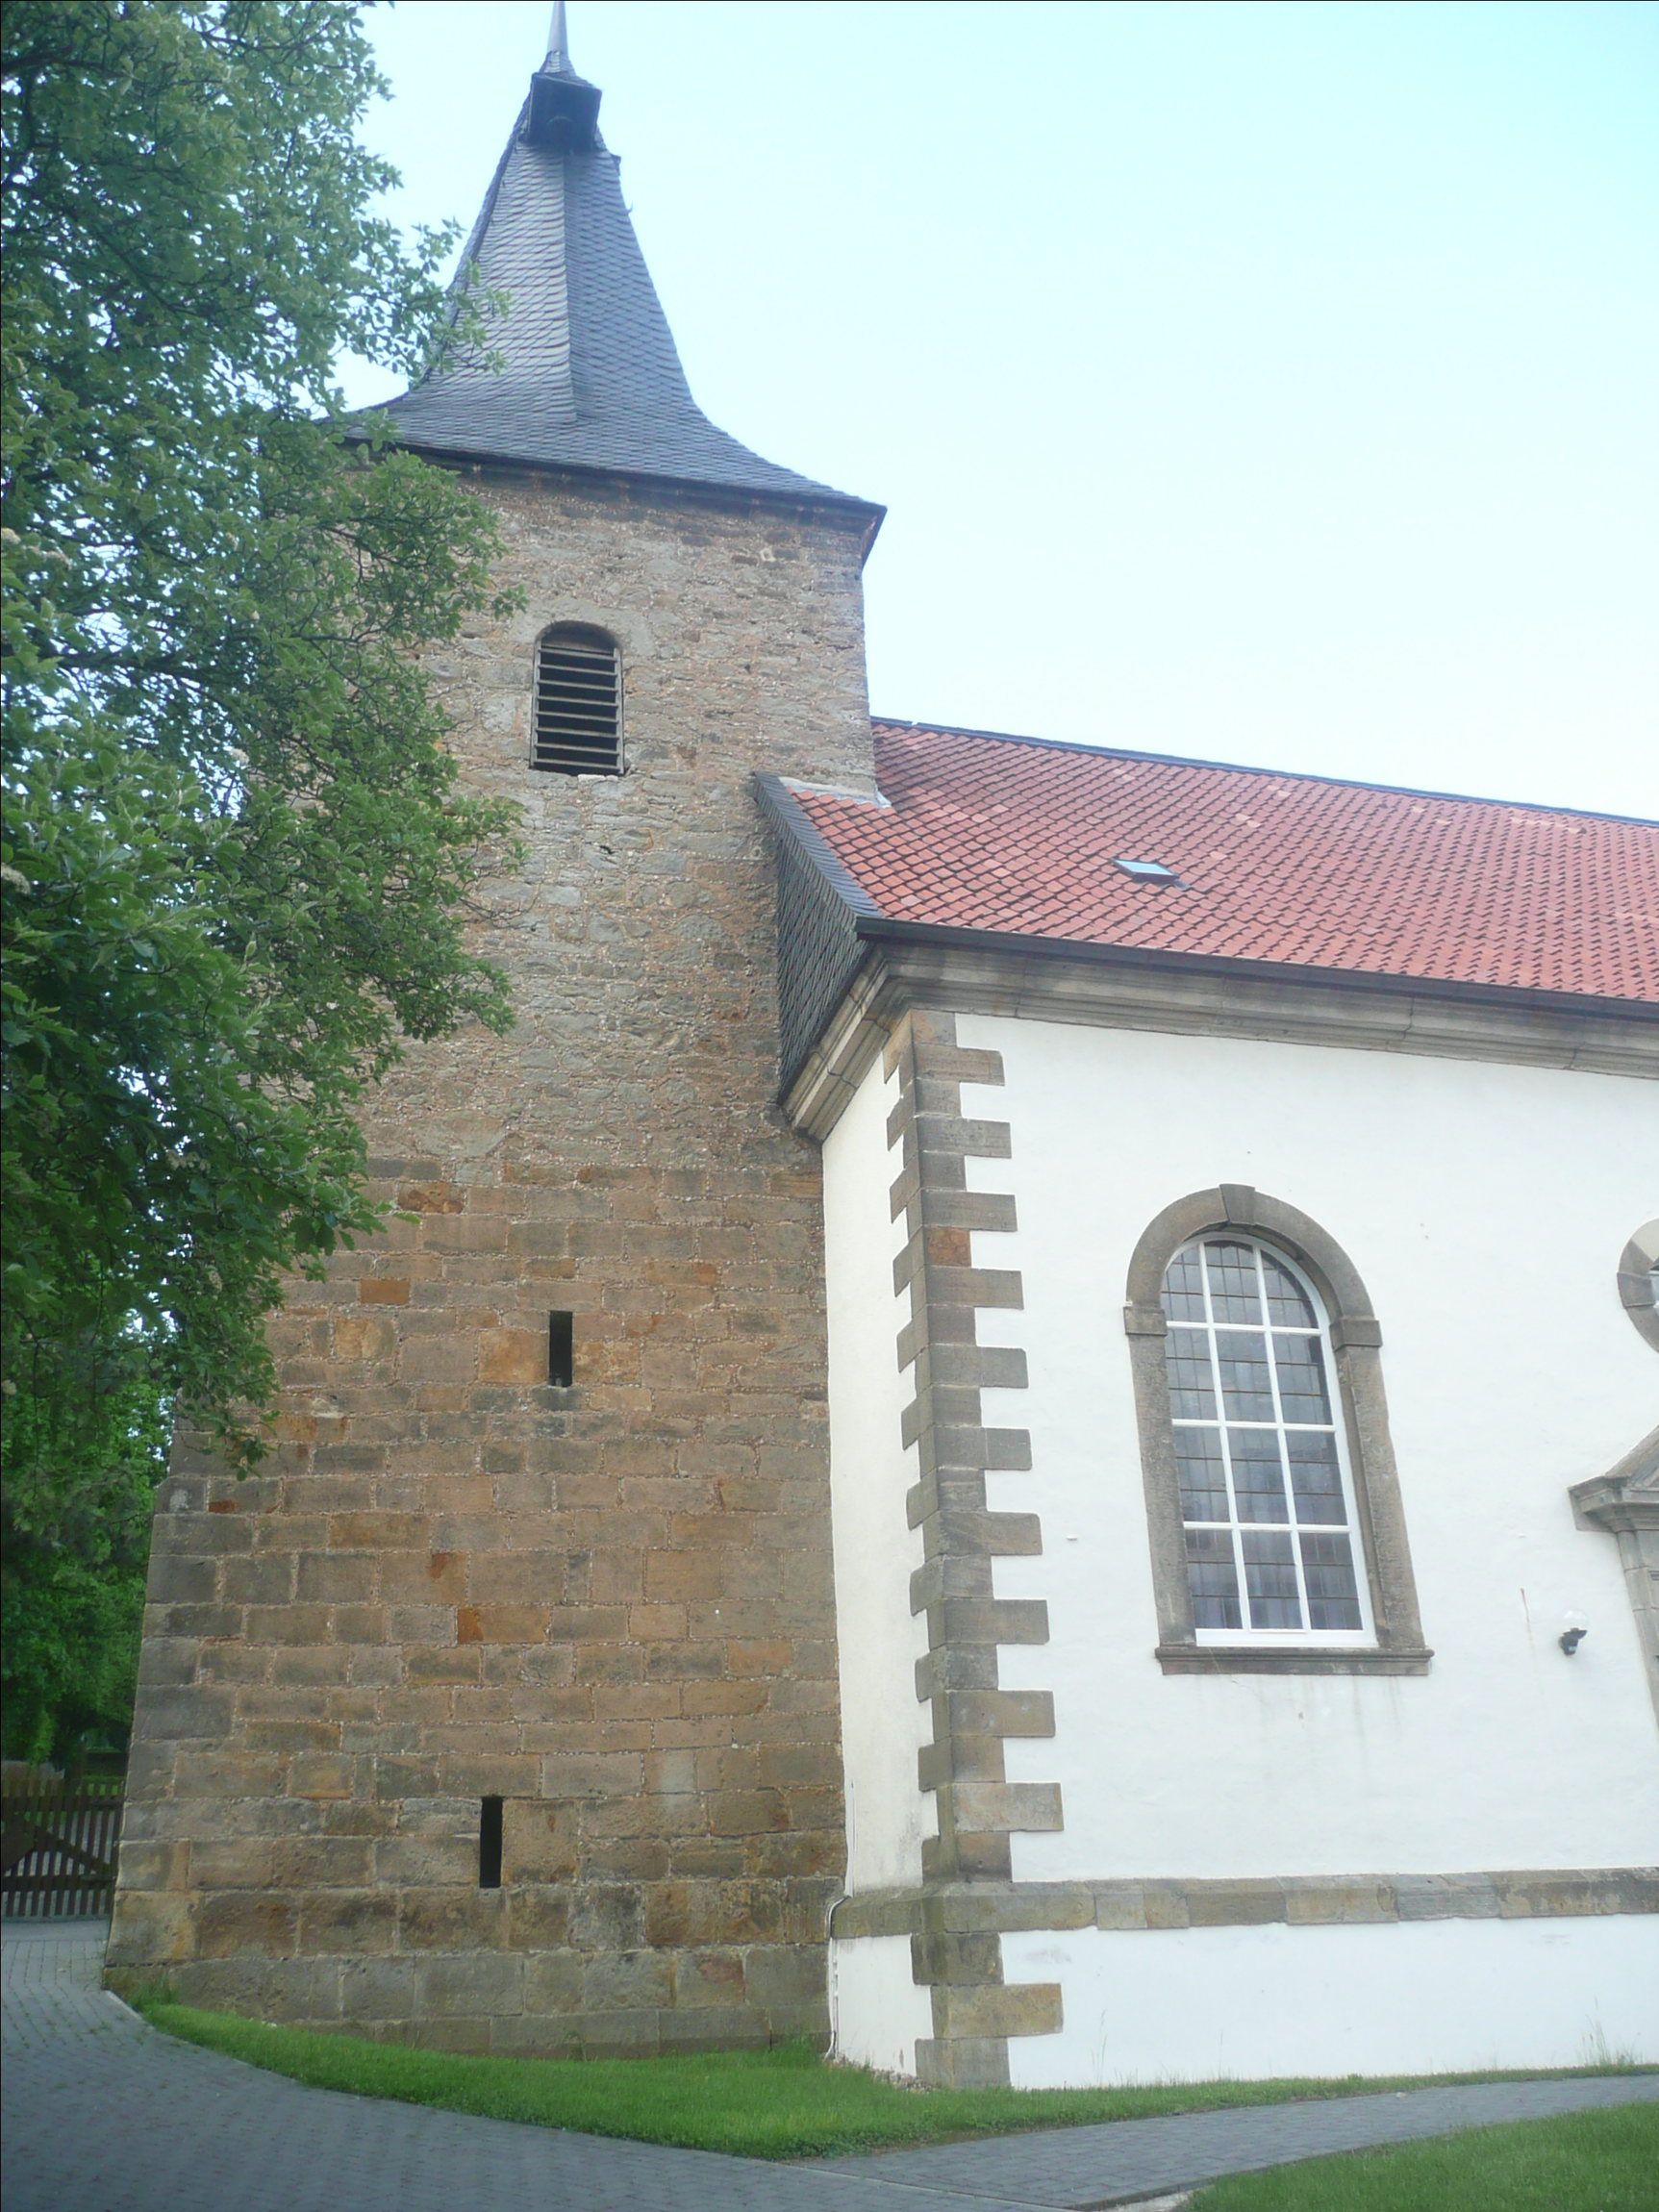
x=590, y=379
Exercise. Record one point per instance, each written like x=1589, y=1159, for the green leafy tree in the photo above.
x=236, y=864
x=72, y=1588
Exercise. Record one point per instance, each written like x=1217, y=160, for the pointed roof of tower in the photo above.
x=589, y=379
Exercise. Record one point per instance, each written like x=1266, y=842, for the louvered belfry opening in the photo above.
x=578, y=704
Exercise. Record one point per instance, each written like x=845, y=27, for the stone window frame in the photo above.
x=1356, y=1343
x=1636, y=1282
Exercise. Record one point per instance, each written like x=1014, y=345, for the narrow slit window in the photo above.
x=489, y=1844
x=1265, y=1500
x=561, y=1350
x=578, y=720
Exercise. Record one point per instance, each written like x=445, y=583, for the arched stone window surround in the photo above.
x=586, y=638
x=1636, y=1264
x=1356, y=1342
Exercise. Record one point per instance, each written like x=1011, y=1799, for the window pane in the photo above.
x=1271, y=1579
x=1302, y=1388
x=1314, y=1476
x=1233, y=1291
x=1287, y=1300
x=1328, y=1565
x=1258, y=1477
x=1246, y=1390
x=1214, y=1578
x=1203, y=1480
x=1258, y=1454
x=1183, y=1288
x=1186, y=1362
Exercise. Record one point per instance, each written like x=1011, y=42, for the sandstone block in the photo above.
x=232, y=1922
x=708, y=1977
x=511, y=1356
x=451, y=1918
x=1016, y=2008
x=628, y=1981
x=150, y=1929
x=378, y=1990
x=469, y=1986
x=356, y=1923
x=539, y=1840
x=428, y=1360
x=607, y=1917
x=552, y=1982
x=362, y=1335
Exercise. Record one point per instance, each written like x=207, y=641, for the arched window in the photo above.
x=1279, y=1542
x=1267, y=1503
x=578, y=711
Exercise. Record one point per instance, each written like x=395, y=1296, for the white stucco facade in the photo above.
x=1485, y=1206
x=1442, y=1996
x=883, y=1726
x=877, y=2012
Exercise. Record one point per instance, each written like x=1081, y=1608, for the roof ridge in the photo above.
x=1254, y=769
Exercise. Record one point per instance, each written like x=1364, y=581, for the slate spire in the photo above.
x=590, y=379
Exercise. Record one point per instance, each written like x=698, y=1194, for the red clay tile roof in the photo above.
x=1004, y=835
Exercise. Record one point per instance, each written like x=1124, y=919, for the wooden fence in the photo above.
x=57, y=1848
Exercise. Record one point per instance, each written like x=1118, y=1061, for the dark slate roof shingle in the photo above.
x=591, y=378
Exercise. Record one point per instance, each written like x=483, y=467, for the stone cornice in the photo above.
x=1298, y=1900
x=1107, y=987
x=1626, y=1498
x=597, y=482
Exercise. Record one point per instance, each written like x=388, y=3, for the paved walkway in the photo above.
x=1128, y=2158
x=101, y=2114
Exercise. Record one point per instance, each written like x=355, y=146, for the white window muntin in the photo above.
x=1236, y=1527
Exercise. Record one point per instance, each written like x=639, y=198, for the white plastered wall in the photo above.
x=883, y=1725
x=1485, y=1207
x=1435, y=1996
x=877, y=2013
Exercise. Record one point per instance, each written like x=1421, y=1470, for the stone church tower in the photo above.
x=500, y=1711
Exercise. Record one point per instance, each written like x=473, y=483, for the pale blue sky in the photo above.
x=1275, y=384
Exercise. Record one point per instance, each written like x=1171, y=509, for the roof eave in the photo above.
x=909, y=964
x=843, y=508
x=1510, y=996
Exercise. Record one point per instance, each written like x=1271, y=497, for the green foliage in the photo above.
x=786, y=2102
x=1583, y=2162
x=237, y=866
x=237, y=863
x=72, y=1590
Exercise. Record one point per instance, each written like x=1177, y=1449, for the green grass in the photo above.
x=1586, y=2162
x=781, y=2103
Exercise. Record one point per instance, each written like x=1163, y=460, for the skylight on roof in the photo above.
x=1147, y=870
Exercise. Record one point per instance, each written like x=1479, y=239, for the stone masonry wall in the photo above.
x=610, y=1605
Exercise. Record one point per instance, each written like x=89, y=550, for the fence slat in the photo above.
x=58, y=1849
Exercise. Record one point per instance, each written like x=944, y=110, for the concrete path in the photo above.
x=101, y=2114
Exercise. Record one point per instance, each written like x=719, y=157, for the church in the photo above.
x=1013, y=1429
